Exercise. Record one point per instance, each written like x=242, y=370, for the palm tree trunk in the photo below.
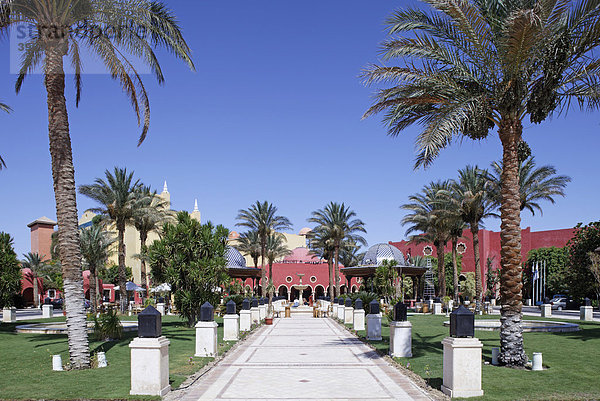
x=441, y=269
x=63, y=176
x=263, y=269
x=98, y=292
x=270, y=270
x=478, y=286
x=122, y=271
x=36, y=291
x=337, y=270
x=331, y=285
x=145, y=278
x=92, y=286
x=511, y=280
x=455, y=270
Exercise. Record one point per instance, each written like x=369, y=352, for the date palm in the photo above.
x=472, y=202
x=150, y=212
x=262, y=217
x=249, y=244
x=7, y=109
x=338, y=223
x=34, y=262
x=428, y=217
x=321, y=245
x=350, y=255
x=276, y=249
x=96, y=247
x=535, y=184
x=118, y=197
x=62, y=29
x=469, y=66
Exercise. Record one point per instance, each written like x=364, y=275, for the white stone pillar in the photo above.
x=245, y=320
x=374, y=327
x=437, y=308
x=150, y=366
x=9, y=315
x=494, y=301
x=255, y=313
x=401, y=339
x=359, y=319
x=262, y=312
x=231, y=327
x=546, y=310
x=586, y=313
x=47, y=311
x=348, y=315
x=462, y=367
x=206, y=338
x=161, y=308
x=340, y=312
x=334, y=309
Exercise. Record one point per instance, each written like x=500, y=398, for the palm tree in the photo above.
x=7, y=109
x=96, y=247
x=350, y=255
x=61, y=29
x=456, y=227
x=472, y=65
x=340, y=225
x=275, y=249
x=262, y=217
x=535, y=184
x=33, y=261
x=321, y=245
x=249, y=244
x=150, y=212
x=472, y=203
x=118, y=196
x=428, y=216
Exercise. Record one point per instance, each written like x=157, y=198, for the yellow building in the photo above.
x=132, y=237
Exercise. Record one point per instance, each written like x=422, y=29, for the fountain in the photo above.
x=300, y=287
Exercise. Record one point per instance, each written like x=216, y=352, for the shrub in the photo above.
x=108, y=326
x=10, y=272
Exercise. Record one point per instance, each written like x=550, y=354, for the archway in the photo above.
x=319, y=291
x=343, y=289
x=354, y=288
x=282, y=291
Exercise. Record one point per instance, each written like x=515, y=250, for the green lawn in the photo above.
x=573, y=360
x=26, y=364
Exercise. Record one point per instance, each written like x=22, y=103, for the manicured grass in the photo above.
x=26, y=363
x=573, y=360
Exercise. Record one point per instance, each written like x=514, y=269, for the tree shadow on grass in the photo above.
x=585, y=334
x=423, y=345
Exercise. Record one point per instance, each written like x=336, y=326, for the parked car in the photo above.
x=558, y=303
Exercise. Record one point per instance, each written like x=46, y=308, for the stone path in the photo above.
x=302, y=358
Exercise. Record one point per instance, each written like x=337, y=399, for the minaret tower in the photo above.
x=166, y=196
x=196, y=213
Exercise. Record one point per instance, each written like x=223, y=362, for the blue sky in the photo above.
x=273, y=112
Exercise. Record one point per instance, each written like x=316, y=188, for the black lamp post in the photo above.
x=246, y=304
x=341, y=301
x=335, y=300
x=231, y=307
x=374, y=307
x=348, y=302
x=261, y=301
x=400, y=312
x=462, y=323
x=207, y=312
x=149, y=323
x=254, y=303
x=358, y=304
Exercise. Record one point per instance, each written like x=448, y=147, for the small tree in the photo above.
x=386, y=276
x=578, y=275
x=595, y=269
x=191, y=258
x=10, y=272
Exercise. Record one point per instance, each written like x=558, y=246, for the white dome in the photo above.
x=380, y=252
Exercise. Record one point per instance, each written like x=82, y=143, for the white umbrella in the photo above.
x=164, y=287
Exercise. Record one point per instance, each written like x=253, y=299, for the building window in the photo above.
x=313, y=279
x=428, y=250
x=288, y=279
x=461, y=247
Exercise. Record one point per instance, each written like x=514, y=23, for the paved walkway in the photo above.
x=302, y=358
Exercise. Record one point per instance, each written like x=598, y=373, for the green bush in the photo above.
x=10, y=272
x=366, y=298
x=108, y=326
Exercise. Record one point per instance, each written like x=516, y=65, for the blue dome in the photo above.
x=234, y=258
x=380, y=252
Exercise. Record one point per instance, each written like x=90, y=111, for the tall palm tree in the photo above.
x=118, y=197
x=249, y=244
x=34, y=262
x=61, y=29
x=7, y=109
x=472, y=65
x=350, y=255
x=456, y=227
x=262, y=217
x=276, y=249
x=472, y=201
x=321, y=245
x=428, y=218
x=150, y=212
x=340, y=224
x=535, y=184
x=96, y=247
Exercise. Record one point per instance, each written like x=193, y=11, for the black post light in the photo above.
x=400, y=312
x=348, y=302
x=462, y=323
x=374, y=307
x=341, y=301
x=207, y=312
x=149, y=323
x=254, y=303
x=231, y=307
x=358, y=304
x=246, y=304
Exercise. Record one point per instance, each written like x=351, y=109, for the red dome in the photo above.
x=234, y=235
x=301, y=255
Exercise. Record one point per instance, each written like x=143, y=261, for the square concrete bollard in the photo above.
x=340, y=312
x=9, y=315
x=437, y=308
x=255, y=313
x=262, y=312
x=149, y=366
x=348, y=315
x=245, y=320
x=462, y=367
x=334, y=312
x=586, y=313
x=231, y=327
x=206, y=338
x=359, y=319
x=47, y=310
x=401, y=339
x=494, y=301
x=374, y=327
x=546, y=310
x=161, y=308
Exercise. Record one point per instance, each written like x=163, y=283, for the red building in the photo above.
x=489, y=246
